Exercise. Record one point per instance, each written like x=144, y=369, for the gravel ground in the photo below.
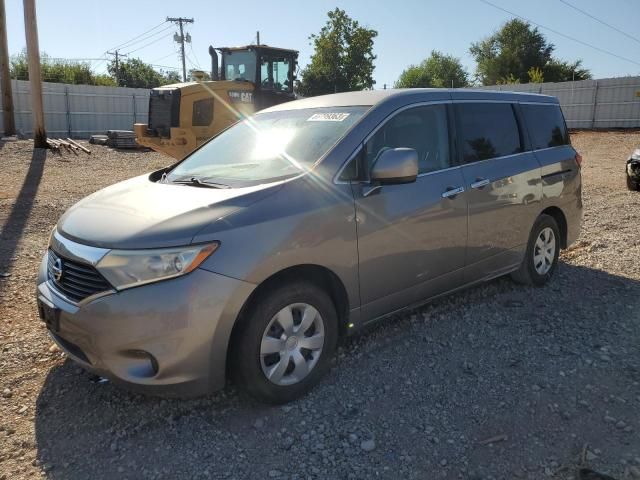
x=497, y=382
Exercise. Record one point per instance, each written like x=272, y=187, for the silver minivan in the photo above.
x=253, y=256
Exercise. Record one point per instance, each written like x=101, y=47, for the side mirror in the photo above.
x=396, y=165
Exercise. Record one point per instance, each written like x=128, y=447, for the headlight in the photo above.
x=130, y=268
x=53, y=231
x=636, y=154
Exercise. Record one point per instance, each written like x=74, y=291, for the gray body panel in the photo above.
x=389, y=246
x=501, y=213
x=139, y=213
x=411, y=241
x=305, y=223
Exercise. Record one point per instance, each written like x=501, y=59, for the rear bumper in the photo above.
x=168, y=338
x=573, y=213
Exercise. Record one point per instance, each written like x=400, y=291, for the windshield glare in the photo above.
x=268, y=146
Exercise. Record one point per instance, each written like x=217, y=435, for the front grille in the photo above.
x=164, y=111
x=77, y=280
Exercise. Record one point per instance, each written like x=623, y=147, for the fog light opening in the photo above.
x=143, y=364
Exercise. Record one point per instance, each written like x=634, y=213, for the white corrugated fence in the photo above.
x=79, y=111
x=603, y=103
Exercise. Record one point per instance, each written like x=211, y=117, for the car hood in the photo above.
x=140, y=213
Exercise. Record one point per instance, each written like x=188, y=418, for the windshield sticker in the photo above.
x=328, y=117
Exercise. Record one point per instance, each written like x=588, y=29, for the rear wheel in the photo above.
x=286, y=342
x=541, y=258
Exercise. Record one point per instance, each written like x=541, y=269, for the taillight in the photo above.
x=579, y=159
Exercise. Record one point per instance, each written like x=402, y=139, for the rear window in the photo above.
x=546, y=125
x=487, y=130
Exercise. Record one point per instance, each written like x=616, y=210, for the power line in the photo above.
x=150, y=43
x=162, y=58
x=561, y=34
x=102, y=61
x=165, y=66
x=636, y=39
x=194, y=55
x=138, y=36
x=192, y=63
x=144, y=39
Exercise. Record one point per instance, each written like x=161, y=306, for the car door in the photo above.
x=550, y=143
x=503, y=186
x=411, y=237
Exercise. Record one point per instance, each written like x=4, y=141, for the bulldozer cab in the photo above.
x=243, y=81
x=271, y=70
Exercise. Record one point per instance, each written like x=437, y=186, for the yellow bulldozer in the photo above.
x=183, y=116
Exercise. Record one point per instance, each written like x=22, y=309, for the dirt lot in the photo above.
x=497, y=382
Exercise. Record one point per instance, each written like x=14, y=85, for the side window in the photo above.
x=487, y=130
x=546, y=125
x=422, y=128
x=350, y=171
x=202, y=112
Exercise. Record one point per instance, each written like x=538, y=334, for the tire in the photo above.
x=631, y=184
x=254, y=359
x=532, y=271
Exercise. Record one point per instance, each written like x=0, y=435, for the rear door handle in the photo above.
x=452, y=192
x=480, y=183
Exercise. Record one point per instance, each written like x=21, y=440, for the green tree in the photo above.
x=59, y=71
x=437, y=71
x=134, y=73
x=535, y=75
x=508, y=80
x=516, y=48
x=559, y=71
x=170, y=76
x=343, y=57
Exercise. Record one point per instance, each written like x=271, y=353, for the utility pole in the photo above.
x=35, y=76
x=258, y=37
x=181, y=39
x=117, y=56
x=5, y=77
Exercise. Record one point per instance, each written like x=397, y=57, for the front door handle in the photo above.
x=480, y=183
x=452, y=192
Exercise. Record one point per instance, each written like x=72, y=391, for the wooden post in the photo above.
x=180, y=21
x=5, y=77
x=35, y=76
x=68, y=108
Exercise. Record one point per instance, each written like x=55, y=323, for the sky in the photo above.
x=407, y=29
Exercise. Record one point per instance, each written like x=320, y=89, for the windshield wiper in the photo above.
x=197, y=182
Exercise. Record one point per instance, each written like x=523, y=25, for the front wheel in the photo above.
x=286, y=342
x=541, y=258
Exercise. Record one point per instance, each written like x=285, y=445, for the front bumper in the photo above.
x=166, y=338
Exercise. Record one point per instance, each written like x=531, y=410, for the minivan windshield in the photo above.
x=266, y=147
